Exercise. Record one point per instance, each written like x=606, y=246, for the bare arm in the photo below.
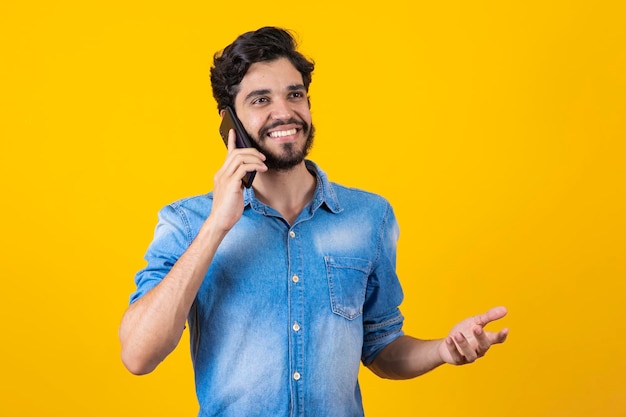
x=408, y=357
x=152, y=326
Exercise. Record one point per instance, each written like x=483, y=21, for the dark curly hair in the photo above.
x=265, y=44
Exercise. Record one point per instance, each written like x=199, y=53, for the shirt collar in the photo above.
x=324, y=192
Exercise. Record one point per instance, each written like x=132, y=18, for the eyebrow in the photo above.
x=262, y=92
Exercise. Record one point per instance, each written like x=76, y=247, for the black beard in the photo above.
x=290, y=156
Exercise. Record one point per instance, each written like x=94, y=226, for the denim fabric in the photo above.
x=287, y=312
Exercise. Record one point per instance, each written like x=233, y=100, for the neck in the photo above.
x=286, y=191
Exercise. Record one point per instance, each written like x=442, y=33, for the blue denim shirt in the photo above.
x=286, y=312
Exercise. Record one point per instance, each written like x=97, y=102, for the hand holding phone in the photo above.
x=230, y=121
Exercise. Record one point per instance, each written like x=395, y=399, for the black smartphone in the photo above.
x=230, y=121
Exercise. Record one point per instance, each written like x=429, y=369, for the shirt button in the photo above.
x=292, y=234
x=296, y=375
x=296, y=327
x=295, y=279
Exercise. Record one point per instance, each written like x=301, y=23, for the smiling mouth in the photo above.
x=282, y=133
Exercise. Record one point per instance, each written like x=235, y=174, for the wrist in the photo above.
x=213, y=229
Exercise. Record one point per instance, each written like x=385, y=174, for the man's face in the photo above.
x=273, y=107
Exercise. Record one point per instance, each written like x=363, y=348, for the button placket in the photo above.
x=296, y=315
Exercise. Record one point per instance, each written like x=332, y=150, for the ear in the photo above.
x=222, y=113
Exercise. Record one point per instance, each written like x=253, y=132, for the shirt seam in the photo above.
x=184, y=219
x=383, y=336
x=397, y=319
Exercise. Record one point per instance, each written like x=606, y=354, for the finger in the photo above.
x=232, y=140
x=457, y=358
x=494, y=314
x=244, y=169
x=499, y=337
x=482, y=339
x=241, y=165
x=229, y=166
x=465, y=348
x=252, y=158
x=238, y=174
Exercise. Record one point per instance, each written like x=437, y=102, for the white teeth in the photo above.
x=282, y=133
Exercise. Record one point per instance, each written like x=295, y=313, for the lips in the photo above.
x=283, y=128
x=282, y=133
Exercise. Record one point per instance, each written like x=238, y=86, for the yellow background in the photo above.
x=496, y=129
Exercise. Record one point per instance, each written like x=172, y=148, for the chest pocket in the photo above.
x=347, y=282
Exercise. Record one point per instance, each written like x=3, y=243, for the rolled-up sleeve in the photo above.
x=382, y=319
x=171, y=240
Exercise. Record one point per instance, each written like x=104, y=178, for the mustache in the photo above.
x=264, y=131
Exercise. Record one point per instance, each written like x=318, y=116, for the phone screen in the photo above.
x=230, y=121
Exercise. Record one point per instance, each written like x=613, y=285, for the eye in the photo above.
x=296, y=95
x=260, y=100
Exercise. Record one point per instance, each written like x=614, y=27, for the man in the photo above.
x=287, y=286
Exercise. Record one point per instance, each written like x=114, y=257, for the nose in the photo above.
x=281, y=110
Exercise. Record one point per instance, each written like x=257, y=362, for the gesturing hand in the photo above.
x=469, y=341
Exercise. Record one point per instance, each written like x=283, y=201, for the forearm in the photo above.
x=152, y=326
x=407, y=357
